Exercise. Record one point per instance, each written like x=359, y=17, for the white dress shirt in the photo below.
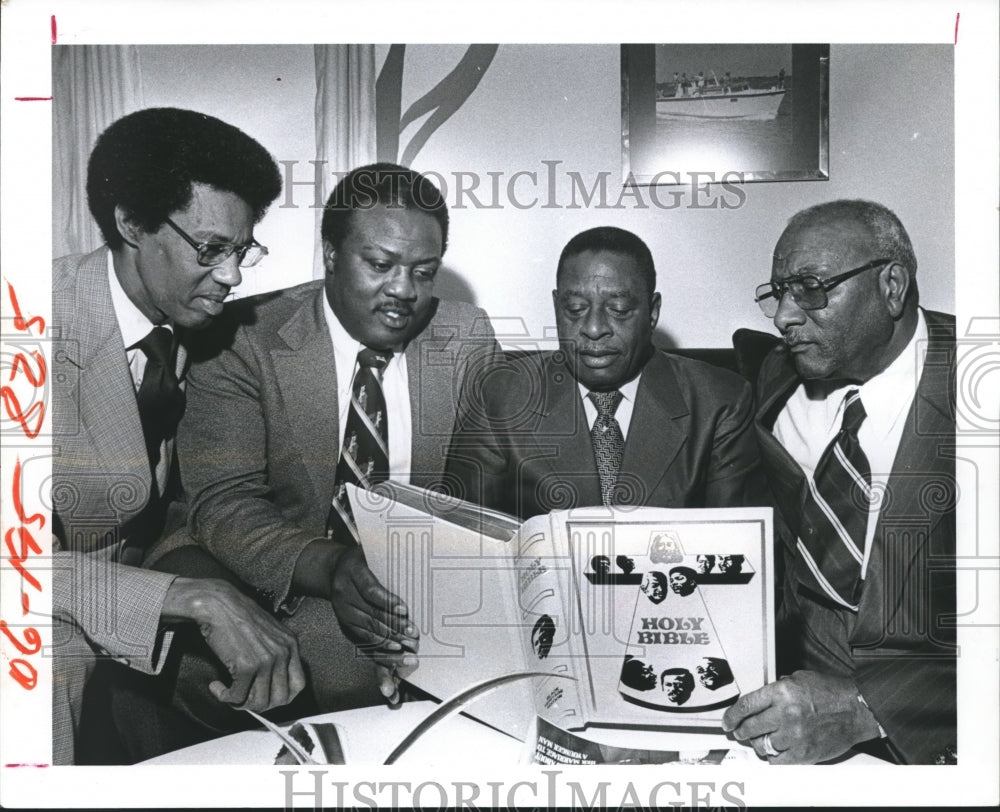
x=395, y=388
x=812, y=416
x=623, y=414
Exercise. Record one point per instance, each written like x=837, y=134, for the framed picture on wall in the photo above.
x=694, y=113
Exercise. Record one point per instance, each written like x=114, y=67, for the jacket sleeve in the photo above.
x=223, y=446
x=735, y=477
x=480, y=466
x=117, y=607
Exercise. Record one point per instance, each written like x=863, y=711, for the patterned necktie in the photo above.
x=609, y=444
x=160, y=397
x=835, y=515
x=364, y=456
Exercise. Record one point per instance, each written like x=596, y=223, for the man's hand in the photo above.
x=369, y=613
x=262, y=657
x=809, y=718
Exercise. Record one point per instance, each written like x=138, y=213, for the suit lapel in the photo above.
x=787, y=482
x=106, y=397
x=925, y=451
x=659, y=425
x=567, y=455
x=306, y=375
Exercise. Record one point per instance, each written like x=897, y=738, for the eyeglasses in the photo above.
x=211, y=254
x=808, y=291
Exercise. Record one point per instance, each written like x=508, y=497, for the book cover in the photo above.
x=662, y=617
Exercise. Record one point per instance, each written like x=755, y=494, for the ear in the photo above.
x=894, y=285
x=555, y=300
x=130, y=230
x=329, y=256
x=654, y=311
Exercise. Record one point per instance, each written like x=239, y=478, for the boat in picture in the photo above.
x=745, y=103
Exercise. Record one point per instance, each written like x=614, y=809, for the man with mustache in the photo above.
x=607, y=419
x=176, y=194
x=856, y=423
x=353, y=378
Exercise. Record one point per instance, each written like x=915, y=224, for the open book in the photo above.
x=662, y=617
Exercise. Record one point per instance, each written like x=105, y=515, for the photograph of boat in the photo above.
x=717, y=102
x=749, y=111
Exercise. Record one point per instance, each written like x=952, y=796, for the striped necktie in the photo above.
x=835, y=515
x=608, y=441
x=364, y=455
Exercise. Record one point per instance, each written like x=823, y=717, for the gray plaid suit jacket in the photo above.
x=100, y=470
x=100, y=479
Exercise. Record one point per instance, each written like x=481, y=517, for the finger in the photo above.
x=392, y=660
x=378, y=629
x=259, y=697
x=296, y=673
x=758, y=747
x=219, y=690
x=279, y=680
x=753, y=727
x=238, y=692
x=389, y=684
x=747, y=705
x=378, y=596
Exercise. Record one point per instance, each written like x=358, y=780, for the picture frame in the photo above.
x=737, y=113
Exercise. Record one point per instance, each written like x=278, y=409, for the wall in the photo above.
x=268, y=92
x=891, y=139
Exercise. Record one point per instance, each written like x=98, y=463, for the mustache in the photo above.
x=788, y=340
x=395, y=304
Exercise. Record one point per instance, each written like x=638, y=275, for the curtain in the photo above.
x=92, y=86
x=345, y=117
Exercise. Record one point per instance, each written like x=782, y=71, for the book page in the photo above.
x=457, y=585
x=549, y=640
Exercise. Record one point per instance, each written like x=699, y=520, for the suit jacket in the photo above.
x=100, y=472
x=899, y=647
x=690, y=441
x=259, y=442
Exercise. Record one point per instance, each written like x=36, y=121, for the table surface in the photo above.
x=369, y=735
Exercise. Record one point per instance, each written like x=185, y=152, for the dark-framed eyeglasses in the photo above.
x=211, y=254
x=807, y=290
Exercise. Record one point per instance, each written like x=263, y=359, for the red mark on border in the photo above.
x=53, y=23
x=27, y=765
x=32, y=98
x=958, y=14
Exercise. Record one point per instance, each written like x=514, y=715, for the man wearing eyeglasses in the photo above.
x=176, y=195
x=856, y=427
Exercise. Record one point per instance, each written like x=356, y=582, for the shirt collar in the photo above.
x=132, y=322
x=885, y=396
x=628, y=390
x=891, y=391
x=345, y=348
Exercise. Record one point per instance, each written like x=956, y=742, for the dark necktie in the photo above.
x=609, y=444
x=160, y=397
x=161, y=405
x=364, y=455
x=835, y=515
